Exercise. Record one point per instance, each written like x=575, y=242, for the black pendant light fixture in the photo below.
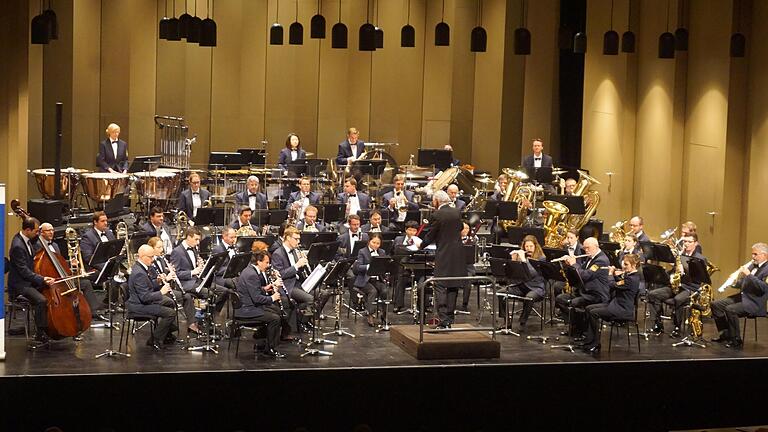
x=195, y=26
x=39, y=34
x=339, y=33
x=276, y=30
x=173, y=26
x=667, y=41
x=208, y=28
x=738, y=47
x=379, y=30
x=184, y=21
x=408, y=33
x=580, y=42
x=611, y=39
x=51, y=23
x=478, y=39
x=367, y=31
x=681, y=34
x=522, y=43
x=628, y=38
x=317, y=23
x=296, y=30
x=162, y=30
x=442, y=31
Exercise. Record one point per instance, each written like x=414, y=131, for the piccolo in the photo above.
x=565, y=257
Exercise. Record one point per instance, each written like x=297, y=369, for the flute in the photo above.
x=565, y=257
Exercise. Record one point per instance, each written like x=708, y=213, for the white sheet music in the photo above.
x=314, y=278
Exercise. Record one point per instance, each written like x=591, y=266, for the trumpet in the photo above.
x=734, y=277
x=303, y=272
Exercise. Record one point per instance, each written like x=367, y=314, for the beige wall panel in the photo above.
x=463, y=20
x=57, y=87
x=115, y=93
x=197, y=97
x=438, y=79
x=513, y=92
x=86, y=52
x=141, y=95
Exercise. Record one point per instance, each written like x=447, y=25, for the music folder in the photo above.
x=315, y=278
x=380, y=265
x=237, y=264
x=105, y=251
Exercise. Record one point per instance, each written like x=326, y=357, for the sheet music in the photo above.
x=314, y=278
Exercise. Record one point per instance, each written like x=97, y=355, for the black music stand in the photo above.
x=297, y=168
x=106, y=275
x=612, y=249
x=336, y=275
x=106, y=250
x=244, y=243
x=575, y=204
x=144, y=163
x=420, y=262
x=382, y=266
x=440, y=158
x=277, y=217
x=654, y=274
x=237, y=264
x=658, y=252
x=499, y=251
x=260, y=217
x=541, y=175
x=333, y=212
x=516, y=272
x=225, y=160
x=209, y=270
x=207, y=216
x=551, y=253
x=517, y=234
x=505, y=210
x=573, y=279
x=253, y=156
x=323, y=251
x=491, y=209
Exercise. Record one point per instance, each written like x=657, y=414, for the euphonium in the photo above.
x=245, y=230
x=591, y=199
x=519, y=192
x=554, y=225
x=618, y=232
x=207, y=204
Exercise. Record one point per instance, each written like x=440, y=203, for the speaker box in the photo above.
x=51, y=211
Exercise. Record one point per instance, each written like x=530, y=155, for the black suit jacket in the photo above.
x=282, y=263
x=360, y=268
x=106, y=157
x=285, y=156
x=250, y=288
x=185, y=201
x=345, y=151
x=142, y=289
x=625, y=289
x=314, y=198
x=460, y=204
x=596, y=280
x=88, y=243
x=444, y=230
x=217, y=249
x=363, y=199
x=546, y=161
x=754, y=291
x=243, y=199
x=643, y=237
x=21, y=273
x=345, y=242
x=184, y=266
x=149, y=228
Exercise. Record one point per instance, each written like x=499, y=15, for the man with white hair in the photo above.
x=113, y=152
x=145, y=298
x=251, y=197
x=453, y=194
x=444, y=231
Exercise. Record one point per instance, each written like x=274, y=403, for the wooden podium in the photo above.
x=448, y=345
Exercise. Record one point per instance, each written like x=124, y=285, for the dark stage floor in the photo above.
x=368, y=379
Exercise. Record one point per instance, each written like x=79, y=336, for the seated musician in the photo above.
x=156, y=227
x=303, y=198
x=570, y=186
x=631, y=246
x=624, y=288
x=573, y=247
x=22, y=279
x=682, y=297
x=309, y=222
x=353, y=235
x=453, y=194
x=636, y=225
x=750, y=301
x=375, y=224
x=351, y=148
x=501, y=185
x=146, y=299
x=404, y=244
x=291, y=152
x=258, y=299
x=161, y=271
x=90, y=238
x=251, y=197
x=243, y=222
x=593, y=271
x=46, y=241
x=289, y=263
x=113, y=152
x=193, y=198
x=188, y=264
x=534, y=287
x=467, y=238
x=228, y=244
x=398, y=201
x=371, y=286
x=354, y=200
x=688, y=228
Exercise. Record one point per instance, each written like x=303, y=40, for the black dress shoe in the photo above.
x=273, y=353
x=720, y=339
x=595, y=350
x=564, y=333
x=578, y=339
x=735, y=344
x=657, y=329
x=675, y=333
x=153, y=344
x=169, y=340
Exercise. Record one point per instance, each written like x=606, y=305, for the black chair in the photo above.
x=23, y=304
x=744, y=330
x=616, y=324
x=130, y=319
x=237, y=325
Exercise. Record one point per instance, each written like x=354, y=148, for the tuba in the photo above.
x=591, y=199
x=555, y=228
x=518, y=192
x=618, y=231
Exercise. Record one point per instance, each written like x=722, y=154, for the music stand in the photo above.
x=333, y=212
x=541, y=175
x=260, y=217
x=144, y=163
x=109, y=271
x=244, y=243
x=253, y=156
x=338, y=273
x=381, y=266
x=440, y=158
x=574, y=203
x=321, y=252
x=209, y=216
x=316, y=166
x=491, y=209
x=551, y=253
x=505, y=210
x=209, y=270
x=573, y=279
x=277, y=217
x=517, y=234
x=237, y=264
x=297, y=168
x=106, y=250
x=658, y=252
x=225, y=160
x=611, y=249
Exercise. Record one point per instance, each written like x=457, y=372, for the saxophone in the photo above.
x=675, y=277
x=701, y=302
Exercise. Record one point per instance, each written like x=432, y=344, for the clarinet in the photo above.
x=175, y=278
x=269, y=275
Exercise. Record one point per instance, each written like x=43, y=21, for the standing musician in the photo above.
x=291, y=152
x=534, y=287
x=454, y=162
x=351, y=148
x=501, y=185
x=145, y=299
x=375, y=225
x=453, y=194
x=538, y=159
x=289, y=263
x=683, y=296
x=189, y=266
x=636, y=225
x=353, y=235
x=159, y=270
x=243, y=220
x=753, y=281
x=228, y=240
x=113, y=152
x=467, y=238
x=445, y=232
x=593, y=271
x=193, y=198
x=688, y=228
x=303, y=197
x=258, y=299
x=251, y=197
x=371, y=286
x=309, y=223
x=156, y=227
x=624, y=287
x=398, y=201
x=403, y=245
x=355, y=201
x=22, y=279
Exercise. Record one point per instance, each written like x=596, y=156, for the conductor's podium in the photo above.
x=445, y=345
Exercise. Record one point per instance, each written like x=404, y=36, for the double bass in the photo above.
x=68, y=311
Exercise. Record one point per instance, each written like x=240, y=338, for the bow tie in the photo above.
x=195, y=193
x=538, y=158
x=353, y=196
x=253, y=195
x=190, y=249
x=114, y=142
x=104, y=234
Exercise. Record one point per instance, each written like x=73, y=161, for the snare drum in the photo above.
x=104, y=186
x=158, y=184
x=70, y=177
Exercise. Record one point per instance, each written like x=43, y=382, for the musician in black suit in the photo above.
x=467, y=238
x=188, y=265
x=309, y=222
x=398, y=201
x=532, y=288
x=371, y=286
x=22, y=279
x=244, y=221
x=753, y=281
x=625, y=288
x=251, y=197
x=291, y=152
x=689, y=227
x=501, y=185
x=157, y=227
x=193, y=198
x=594, y=273
x=636, y=225
x=631, y=246
x=404, y=245
x=161, y=270
x=375, y=224
x=444, y=230
x=144, y=299
x=353, y=235
x=257, y=298
x=228, y=244
x=113, y=152
x=354, y=200
x=453, y=194
x=303, y=198
x=289, y=263
x=351, y=148
x=683, y=296
x=538, y=159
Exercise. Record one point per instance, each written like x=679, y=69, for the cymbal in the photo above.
x=558, y=171
x=309, y=154
x=485, y=180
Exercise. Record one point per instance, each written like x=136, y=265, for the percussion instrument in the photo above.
x=463, y=178
x=159, y=185
x=70, y=177
x=104, y=186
